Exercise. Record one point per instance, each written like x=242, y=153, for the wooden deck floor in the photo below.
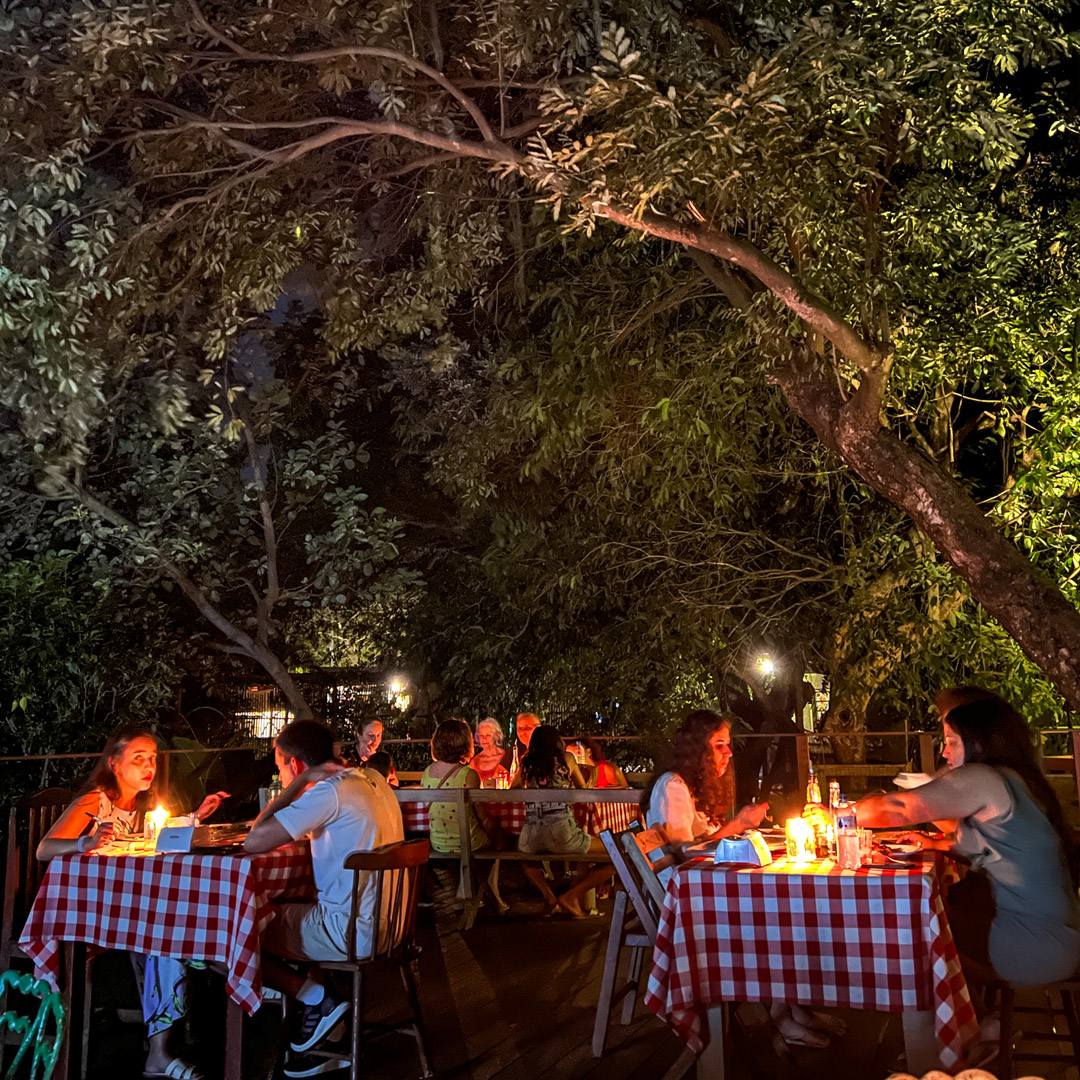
x=512, y=999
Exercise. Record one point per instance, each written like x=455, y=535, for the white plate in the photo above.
x=901, y=849
x=909, y=780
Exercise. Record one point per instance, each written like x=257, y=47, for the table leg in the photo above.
x=711, y=1062
x=920, y=1042
x=234, y=1040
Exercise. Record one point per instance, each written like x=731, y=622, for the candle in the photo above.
x=800, y=840
x=155, y=821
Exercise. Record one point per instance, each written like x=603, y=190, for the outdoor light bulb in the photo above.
x=395, y=687
x=765, y=665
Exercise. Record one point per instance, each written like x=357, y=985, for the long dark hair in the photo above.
x=691, y=757
x=546, y=758
x=102, y=777
x=994, y=733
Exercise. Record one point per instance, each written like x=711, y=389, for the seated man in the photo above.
x=342, y=810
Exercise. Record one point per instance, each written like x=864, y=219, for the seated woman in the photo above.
x=488, y=760
x=451, y=752
x=112, y=803
x=1017, y=912
x=690, y=799
x=608, y=775
x=551, y=828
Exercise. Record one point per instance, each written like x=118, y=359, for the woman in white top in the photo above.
x=691, y=799
x=112, y=803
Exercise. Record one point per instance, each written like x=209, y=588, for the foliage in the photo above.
x=888, y=192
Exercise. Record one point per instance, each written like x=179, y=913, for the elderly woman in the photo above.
x=1018, y=912
x=488, y=759
x=690, y=800
x=112, y=803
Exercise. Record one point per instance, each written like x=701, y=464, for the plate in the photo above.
x=902, y=849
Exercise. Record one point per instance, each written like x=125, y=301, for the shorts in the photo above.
x=307, y=932
x=554, y=834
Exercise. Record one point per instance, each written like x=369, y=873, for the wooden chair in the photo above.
x=28, y=821
x=636, y=932
x=34, y=1037
x=1069, y=990
x=399, y=870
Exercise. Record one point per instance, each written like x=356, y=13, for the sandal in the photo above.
x=175, y=1070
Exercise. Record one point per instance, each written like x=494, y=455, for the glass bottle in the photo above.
x=813, y=788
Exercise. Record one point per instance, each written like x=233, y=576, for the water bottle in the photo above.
x=844, y=813
x=848, y=853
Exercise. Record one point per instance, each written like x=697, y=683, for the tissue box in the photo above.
x=750, y=847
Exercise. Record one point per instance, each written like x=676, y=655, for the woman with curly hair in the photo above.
x=691, y=799
x=692, y=793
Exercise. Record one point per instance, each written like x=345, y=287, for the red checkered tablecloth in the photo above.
x=192, y=907
x=592, y=817
x=811, y=934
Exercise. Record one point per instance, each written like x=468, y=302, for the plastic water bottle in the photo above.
x=848, y=852
x=845, y=815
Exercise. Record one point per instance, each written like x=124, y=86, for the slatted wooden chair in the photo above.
x=28, y=821
x=399, y=870
x=634, y=919
x=1069, y=993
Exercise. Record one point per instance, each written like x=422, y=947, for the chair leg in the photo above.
x=611, y=970
x=1003, y=1066
x=637, y=956
x=357, y=1024
x=87, y=1010
x=1068, y=1002
x=418, y=1024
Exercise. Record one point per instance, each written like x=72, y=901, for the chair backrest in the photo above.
x=638, y=845
x=28, y=822
x=399, y=874
x=646, y=899
x=42, y=1045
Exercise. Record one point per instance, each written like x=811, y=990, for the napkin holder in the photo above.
x=749, y=847
x=179, y=835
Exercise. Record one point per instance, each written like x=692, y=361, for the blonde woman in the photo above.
x=488, y=761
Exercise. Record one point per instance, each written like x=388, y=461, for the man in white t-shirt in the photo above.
x=341, y=810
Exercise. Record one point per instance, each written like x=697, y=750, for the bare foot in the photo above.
x=818, y=1021
x=796, y=1035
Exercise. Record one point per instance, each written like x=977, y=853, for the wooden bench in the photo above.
x=463, y=797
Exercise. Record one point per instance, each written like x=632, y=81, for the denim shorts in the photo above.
x=554, y=834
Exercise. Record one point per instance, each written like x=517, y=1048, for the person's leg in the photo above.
x=570, y=901
x=536, y=876
x=164, y=1002
x=791, y=1031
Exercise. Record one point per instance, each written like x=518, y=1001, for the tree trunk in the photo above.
x=1032, y=610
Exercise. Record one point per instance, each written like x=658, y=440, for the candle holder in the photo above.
x=801, y=843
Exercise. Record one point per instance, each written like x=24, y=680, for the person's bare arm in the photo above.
x=267, y=834
x=956, y=795
x=297, y=788
x=576, y=776
x=749, y=817
x=66, y=837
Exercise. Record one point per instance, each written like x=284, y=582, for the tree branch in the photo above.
x=239, y=52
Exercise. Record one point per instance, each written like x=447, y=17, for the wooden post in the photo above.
x=802, y=759
x=926, y=753
x=463, y=809
x=1076, y=758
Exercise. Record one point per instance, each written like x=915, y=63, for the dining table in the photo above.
x=210, y=906
x=594, y=818
x=812, y=934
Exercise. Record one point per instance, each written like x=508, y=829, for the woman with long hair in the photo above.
x=692, y=792
x=691, y=799
x=550, y=828
x=1024, y=922
x=608, y=774
x=113, y=803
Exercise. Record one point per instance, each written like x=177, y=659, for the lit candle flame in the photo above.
x=800, y=840
x=158, y=817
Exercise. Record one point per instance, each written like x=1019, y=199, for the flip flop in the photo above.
x=175, y=1070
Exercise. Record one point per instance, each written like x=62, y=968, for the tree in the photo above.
x=861, y=186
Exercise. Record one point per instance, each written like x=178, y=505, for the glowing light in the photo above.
x=155, y=822
x=800, y=840
x=765, y=665
x=396, y=687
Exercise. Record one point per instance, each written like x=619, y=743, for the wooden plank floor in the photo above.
x=512, y=999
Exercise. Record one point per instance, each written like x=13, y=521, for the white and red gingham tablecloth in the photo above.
x=193, y=907
x=811, y=934
x=594, y=818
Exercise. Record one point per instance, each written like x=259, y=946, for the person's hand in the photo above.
x=919, y=839
x=210, y=804
x=323, y=771
x=101, y=835
x=750, y=817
